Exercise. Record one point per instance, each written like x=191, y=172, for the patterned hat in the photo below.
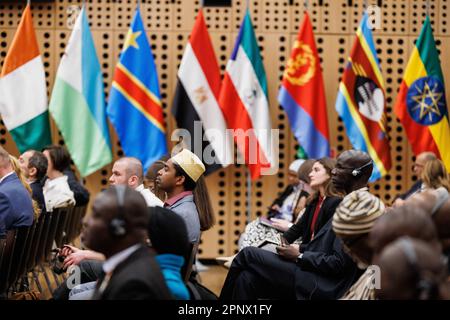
x=357, y=213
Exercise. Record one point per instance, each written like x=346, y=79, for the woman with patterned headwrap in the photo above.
x=352, y=222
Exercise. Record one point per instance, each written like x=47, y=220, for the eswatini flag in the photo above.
x=196, y=100
x=244, y=101
x=23, y=92
x=361, y=102
x=302, y=94
x=420, y=104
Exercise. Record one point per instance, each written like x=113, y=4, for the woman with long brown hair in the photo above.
x=434, y=175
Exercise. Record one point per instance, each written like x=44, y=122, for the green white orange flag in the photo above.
x=23, y=92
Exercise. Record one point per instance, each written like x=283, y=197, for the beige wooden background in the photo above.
x=168, y=24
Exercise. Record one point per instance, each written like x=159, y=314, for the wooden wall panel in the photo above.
x=169, y=23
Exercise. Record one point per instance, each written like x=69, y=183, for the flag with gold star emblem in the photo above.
x=420, y=103
x=134, y=106
x=361, y=101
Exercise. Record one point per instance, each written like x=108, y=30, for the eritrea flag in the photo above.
x=302, y=95
x=420, y=104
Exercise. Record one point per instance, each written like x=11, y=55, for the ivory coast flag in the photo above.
x=420, y=104
x=23, y=92
x=78, y=101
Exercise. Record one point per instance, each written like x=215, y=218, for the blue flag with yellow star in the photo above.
x=134, y=107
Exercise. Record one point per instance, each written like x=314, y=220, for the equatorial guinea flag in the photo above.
x=23, y=92
x=195, y=106
x=245, y=104
x=78, y=101
x=302, y=94
x=420, y=104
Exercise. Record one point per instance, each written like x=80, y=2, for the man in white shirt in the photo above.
x=128, y=171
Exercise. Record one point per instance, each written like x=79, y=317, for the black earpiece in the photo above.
x=356, y=172
x=118, y=224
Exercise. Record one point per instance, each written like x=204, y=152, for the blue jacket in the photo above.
x=16, y=209
x=170, y=265
x=186, y=208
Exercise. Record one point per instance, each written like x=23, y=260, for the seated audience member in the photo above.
x=16, y=208
x=34, y=166
x=57, y=193
x=117, y=228
x=179, y=179
x=411, y=269
x=168, y=237
x=285, y=210
x=16, y=167
x=150, y=178
x=319, y=268
x=419, y=164
x=128, y=171
x=434, y=175
x=354, y=218
x=437, y=204
x=61, y=159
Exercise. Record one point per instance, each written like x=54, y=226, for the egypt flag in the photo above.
x=361, y=102
x=195, y=106
x=302, y=95
x=420, y=104
x=245, y=104
x=23, y=92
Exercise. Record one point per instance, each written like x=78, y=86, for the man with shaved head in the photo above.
x=418, y=166
x=128, y=171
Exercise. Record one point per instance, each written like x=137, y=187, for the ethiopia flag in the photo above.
x=361, y=102
x=420, y=104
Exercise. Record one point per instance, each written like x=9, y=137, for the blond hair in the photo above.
x=434, y=175
x=15, y=165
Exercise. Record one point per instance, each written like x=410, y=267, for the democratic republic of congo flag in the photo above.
x=420, y=104
x=135, y=103
x=361, y=102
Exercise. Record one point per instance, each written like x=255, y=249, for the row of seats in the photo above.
x=26, y=248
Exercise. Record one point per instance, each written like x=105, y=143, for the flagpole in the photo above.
x=306, y=4
x=364, y=5
x=249, y=196
x=428, y=8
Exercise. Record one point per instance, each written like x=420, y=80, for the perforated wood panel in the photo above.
x=276, y=22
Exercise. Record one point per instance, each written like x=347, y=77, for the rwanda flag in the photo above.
x=361, y=101
x=420, y=104
x=135, y=103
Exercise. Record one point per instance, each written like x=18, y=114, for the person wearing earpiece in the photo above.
x=117, y=228
x=412, y=269
x=319, y=268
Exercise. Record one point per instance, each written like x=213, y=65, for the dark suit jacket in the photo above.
x=80, y=193
x=38, y=194
x=302, y=229
x=326, y=271
x=16, y=209
x=415, y=187
x=137, y=278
